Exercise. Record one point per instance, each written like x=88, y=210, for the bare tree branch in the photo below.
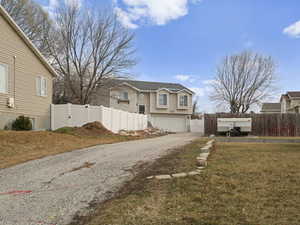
x=32, y=19
x=87, y=47
x=243, y=80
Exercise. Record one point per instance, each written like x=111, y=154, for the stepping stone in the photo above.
x=163, y=177
x=204, y=155
x=193, y=173
x=210, y=142
x=177, y=175
x=200, y=168
x=202, y=163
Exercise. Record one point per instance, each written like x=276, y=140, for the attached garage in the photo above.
x=172, y=123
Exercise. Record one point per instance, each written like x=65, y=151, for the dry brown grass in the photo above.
x=244, y=184
x=18, y=147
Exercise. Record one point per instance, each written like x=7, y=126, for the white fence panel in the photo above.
x=59, y=116
x=197, y=126
x=113, y=119
x=79, y=115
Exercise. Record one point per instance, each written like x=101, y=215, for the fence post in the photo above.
x=101, y=114
x=52, y=111
x=87, y=113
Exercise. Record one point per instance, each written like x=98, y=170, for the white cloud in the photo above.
x=208, y=82
x=199, y=92
x=158, y=12
x=182, y=77
x=293, y=30
x=53, y=4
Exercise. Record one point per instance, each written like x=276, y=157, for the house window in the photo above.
x=163, y=99
x=41, y=86
x=183, y=100
x=3, y=78
x=141, y=109
x=124, y=95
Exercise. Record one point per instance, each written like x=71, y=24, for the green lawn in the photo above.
x=257, y=184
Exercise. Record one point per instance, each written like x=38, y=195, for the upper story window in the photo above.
x=163, y=99
x=183, y=101
x=3, y=78
x=124, y=96
x=41, y=86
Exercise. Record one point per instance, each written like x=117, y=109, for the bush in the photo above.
x=22, y=123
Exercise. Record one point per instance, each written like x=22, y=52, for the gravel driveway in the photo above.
x=50, y=191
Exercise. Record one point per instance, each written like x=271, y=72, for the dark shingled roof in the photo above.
x=271, y=107
x=294, y=94
x=150, y=86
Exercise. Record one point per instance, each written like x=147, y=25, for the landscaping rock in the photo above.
x=210, y=142
x=151, y=177
x=177, y=175
x=202, y=163
x=204, y=155
x=193, y=173
x=163, y=177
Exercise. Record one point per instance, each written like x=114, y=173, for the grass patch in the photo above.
x=20, y=146
x=244, y=183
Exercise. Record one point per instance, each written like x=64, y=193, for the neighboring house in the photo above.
x=271, y=108
x=25, y=77
x=290, y=102
x=168, y=106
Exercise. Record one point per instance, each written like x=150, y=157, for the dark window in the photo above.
x=141, y=109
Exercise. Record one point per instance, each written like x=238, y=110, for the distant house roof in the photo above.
x=294, y=94
x=151, y=86
x=23, y=36
x=271, y=107
x=290, y=94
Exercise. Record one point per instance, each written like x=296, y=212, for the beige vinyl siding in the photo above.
x=25, y=69
x=172, y=104
x=132, y=97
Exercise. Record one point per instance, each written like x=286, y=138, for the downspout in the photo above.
x=15, y=57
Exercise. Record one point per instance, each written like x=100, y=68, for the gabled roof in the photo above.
x=152, y=86
x=271, y=107
x=23, y=36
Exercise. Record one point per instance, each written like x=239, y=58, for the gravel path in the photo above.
x=50, y=191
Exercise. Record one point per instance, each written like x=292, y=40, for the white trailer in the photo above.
x=234, y=125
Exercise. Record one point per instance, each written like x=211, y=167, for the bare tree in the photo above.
x=87, y=47
x=32, y=19
x=195, y=105
x=244, y=80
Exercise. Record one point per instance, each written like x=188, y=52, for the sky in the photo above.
x=183, y=41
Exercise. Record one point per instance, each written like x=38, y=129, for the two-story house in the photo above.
x=25, y=77
x=290, y=102
x=168, y=105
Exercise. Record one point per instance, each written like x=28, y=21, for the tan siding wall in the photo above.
x=27, y=68
x=149, y=100
x=132, y=95
x=173, y=108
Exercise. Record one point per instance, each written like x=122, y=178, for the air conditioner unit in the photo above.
x=10, y=102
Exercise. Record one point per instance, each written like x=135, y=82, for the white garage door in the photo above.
x=170, y=123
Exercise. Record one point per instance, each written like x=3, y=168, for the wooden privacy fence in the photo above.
x=287, y=125
x=69, y=115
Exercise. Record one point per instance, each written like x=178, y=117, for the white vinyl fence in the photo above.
x=70, y=115
x=197, y=126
